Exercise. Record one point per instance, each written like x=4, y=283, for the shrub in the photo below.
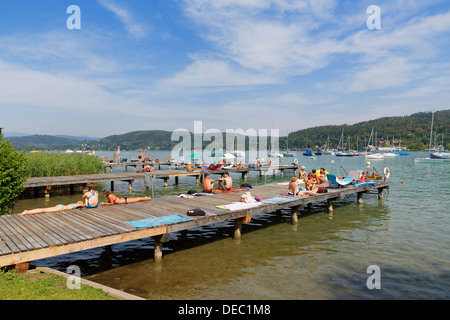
x=13, y=174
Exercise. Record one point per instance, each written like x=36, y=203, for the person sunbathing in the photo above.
x=113, y=199
x=58, y=208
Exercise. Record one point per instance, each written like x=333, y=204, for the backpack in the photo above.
x=322, y=190
x=196, y=212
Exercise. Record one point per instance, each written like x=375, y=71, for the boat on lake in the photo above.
x=434, y=156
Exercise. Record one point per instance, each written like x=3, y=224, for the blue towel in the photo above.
x=153, y=222
x=280, y=199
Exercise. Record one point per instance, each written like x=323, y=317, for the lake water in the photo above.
x=406, y=235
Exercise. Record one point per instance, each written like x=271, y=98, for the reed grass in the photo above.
x=56, y=164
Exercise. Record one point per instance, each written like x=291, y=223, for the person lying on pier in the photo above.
x=90, y=197
x=58, y=208
x=225, y=183
x=208, y=183
x=113, y=199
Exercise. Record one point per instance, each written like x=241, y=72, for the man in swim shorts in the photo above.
x=225, y=183
x=208, y=183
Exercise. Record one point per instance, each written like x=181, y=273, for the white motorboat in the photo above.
x=374, y=156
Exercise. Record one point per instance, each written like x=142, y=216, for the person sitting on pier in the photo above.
x=311, y=182
x=302, y=174
x=322, y=176
x=113, y=199
x=147, y=168
x=293, y=189
x=208, y=183
x=90, y=197
x=58, y=208
x=225, y=183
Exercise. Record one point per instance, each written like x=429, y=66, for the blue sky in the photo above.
x=162, y=64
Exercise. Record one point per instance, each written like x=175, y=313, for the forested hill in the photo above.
x=413, y=130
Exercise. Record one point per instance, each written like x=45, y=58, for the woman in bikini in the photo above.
x=90, y=197
x=58, y=208
x=113, y=199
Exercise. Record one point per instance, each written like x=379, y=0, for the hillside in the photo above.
x=413, y=130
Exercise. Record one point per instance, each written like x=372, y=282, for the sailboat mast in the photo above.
x=431, y=132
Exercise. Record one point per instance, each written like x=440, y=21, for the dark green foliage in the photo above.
x=13, y=174
x=413, y=130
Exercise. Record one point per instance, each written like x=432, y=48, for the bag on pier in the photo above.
x=196, y=212
x=322, y=190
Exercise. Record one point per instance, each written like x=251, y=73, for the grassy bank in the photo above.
x=41, y=286
x=56, y=164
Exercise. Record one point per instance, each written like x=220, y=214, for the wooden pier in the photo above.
x=79, y=181
x=28, y=238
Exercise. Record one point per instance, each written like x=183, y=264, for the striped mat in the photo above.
x=158, y=221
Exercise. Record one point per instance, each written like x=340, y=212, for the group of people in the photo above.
x=315, y=177
x=311, y=180
x=225, y=183
x=90, y=199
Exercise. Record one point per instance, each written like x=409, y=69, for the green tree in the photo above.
x=13, y=174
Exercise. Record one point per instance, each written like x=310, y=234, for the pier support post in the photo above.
x=165, y=182
x=159, y=240
x=237, y=229
x=380, y=194
x=112, y=186
x=294, y=211
x=330, y=205
x=244, y=176
x=176, y=180
x=360, y=198
x=47, y=192
x=130, y=185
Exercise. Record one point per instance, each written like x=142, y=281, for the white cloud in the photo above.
x=137, y=30
x=214, y=73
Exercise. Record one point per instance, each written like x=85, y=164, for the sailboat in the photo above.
x=434, y=157
x=288, y=153
x=370, y=155
x=340, y=150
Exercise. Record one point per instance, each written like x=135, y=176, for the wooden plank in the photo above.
x=77, y=230
x=20, y=257
x=47, y=235
x=20, y=226
x=47, y=223
x=14, y=240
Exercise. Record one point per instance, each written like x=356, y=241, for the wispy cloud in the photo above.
x=136, y=29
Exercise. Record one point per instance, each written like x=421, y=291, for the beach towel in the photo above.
x=280, y=199
x=159, y=221
x=239, y=206
x=370, y=183
x=231, y=190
